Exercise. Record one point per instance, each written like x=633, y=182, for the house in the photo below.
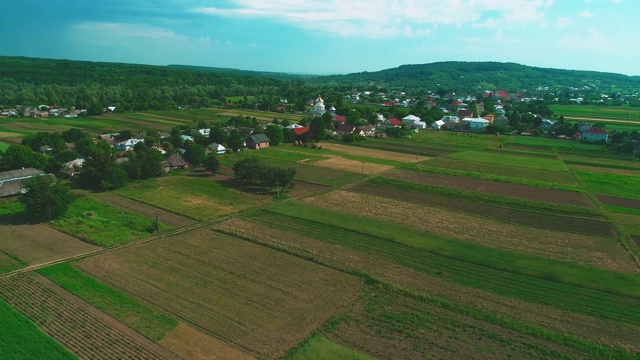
x=595, y=134
x=340, y=119
x=173, y=162
x=257, y=141
x=293, y=126
x=547, y=124
x=437, y=124
x=478, y=124
x=501, y=121
x=187, y=138
x=393, y=122
x=204, y=132
x=583, y=126
x=450, y=118
x=245, y=131
x=110, y=138
x=414, y=121
x=11, y=181
x=501, y=94
x=217, y=148
x=366, y=130
x=465, y=113
x=299, y=131
x=346, y=129
x=490, y=118
x=127, y=144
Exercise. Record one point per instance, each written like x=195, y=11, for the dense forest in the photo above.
x=470, y=76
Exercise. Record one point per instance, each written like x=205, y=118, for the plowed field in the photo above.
x=352, y=165
x=379, y=154
x=494, y=187
x=35, y=244
x=618, y=201
x=81, y=328
x=245, y=294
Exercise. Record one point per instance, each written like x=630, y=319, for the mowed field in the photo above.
x=250, y=296
x=443, y=245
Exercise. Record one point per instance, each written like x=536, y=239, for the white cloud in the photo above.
x=593, y=39
x=585, y=14
x=387, y=18
x=563, y=22
x=106, y=29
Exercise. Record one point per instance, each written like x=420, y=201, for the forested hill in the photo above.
x=129, y=86
x=468, y=76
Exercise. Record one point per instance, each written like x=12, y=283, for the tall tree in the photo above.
x=318, y=128
x=235, y=140
x=275, y=134
x=45, y=198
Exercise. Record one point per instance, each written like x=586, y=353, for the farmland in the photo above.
x=442, y=245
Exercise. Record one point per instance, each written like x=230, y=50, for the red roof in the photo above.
x=395, y=122
x=339, y=118
x=596, y=130
x=502, y=94
x=301, y=130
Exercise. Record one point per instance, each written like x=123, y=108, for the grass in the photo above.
x=143, y=318
x=193, y=197
x=625, y=113
x=3, y=146
x=553, y=143
x=102, y=224
x=21, y=338
x=510, y=160
x=319, y=347
x=528, y=265
x=610, y=184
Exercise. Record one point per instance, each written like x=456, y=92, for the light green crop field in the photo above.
x=625, y=113
x=320, y=347
x=611, y=184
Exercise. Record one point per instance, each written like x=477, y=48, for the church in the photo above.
x=318, y=108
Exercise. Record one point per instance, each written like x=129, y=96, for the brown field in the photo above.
x=352, y=165
x=405, y=148
x=81, y=328
x=618, y=201
x=581, y=249
x=253, y=297
x=8, y=263
x=38, y=243
x=529, y=218
x=378, y=154
x=191, y=344
x=525, y=192
x=142, y=209
x=606, y=332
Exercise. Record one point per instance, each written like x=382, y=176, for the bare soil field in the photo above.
x=618, y=201
x=253, y=297
x=191, y=344
x=145, y=210
x=38, y=243
x=581, y=249
x=606, y=332
x=525, y=192
x=380, y=154
x=81, y=328
x=539, y=220
x=352, y=165
x=405, y=148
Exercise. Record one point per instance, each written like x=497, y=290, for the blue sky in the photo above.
x=328, y=37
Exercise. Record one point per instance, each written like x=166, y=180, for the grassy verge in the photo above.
x=21, y=339
x=534, y=266
x=146, y=320
x=104, y=225
x=320, y=347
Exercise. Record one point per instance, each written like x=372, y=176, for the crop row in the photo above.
x=531, y=289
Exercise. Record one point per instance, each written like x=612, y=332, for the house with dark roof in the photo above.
x=11, y=181
x=258, y=141
x=346, y=129
x=464, y=113
x=175, y=161
x=595, y=134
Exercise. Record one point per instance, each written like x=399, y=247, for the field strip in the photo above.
x=602, y=120
x=83, y=329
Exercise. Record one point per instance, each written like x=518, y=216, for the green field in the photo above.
x=104, y=225
x=140, y=316
x=611, y=184
x=624, y=113
x=510, y=160
x=3, y=146
x=21, y=339
x=321, y=348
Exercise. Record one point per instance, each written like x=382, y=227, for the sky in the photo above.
x=327, y=37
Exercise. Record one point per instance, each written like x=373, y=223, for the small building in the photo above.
x=346, y=129
x=414, y=121
x=72, y=167
x=217, y=148
x=318, y=107
x=478, y=124
x=583, y=126
x=595, y=134
x=127, y=144
x=464, y=113
x=175, y=161
x=11, y=181
x=258, y=141
x=437, y=124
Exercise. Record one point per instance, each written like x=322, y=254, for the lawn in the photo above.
x=3, y=146
x=21, y=339
x=140, y=316
x=103, y=224
x=611, y=184
x=319, y=347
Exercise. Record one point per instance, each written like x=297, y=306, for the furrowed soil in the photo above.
x=84, y=330
x=581, y=249
x=245, y=294
x=529, y=218
x=605, y=170
x=379, y=154
x=190, y=343
x=145, y=210
x=606, y=332
x=618, y=201
x=38, y=243
x=352, y=165
x=493, y=187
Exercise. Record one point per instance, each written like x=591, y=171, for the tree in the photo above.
x=45, y=198
x=194, y=153
x=114, y=178
x=235, y=140
x=211, y=163
x=275, y=134
x=318, y=128
x=247, y=170
x=21, y=156
x=218, y=135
